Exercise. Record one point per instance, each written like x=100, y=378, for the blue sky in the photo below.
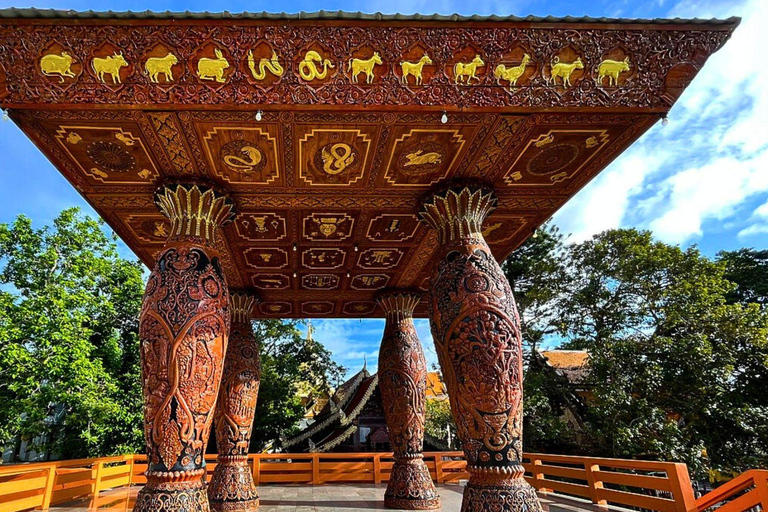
x=702, y=179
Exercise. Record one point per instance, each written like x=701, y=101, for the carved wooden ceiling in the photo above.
x=326, y=170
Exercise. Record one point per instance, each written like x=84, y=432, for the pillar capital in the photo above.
x=194, y=209
x=398, y=304
x=241, y=304
x=457, y=212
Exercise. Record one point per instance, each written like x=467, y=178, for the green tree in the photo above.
x=678, y=371
x=290, y=363
x=69, y=308
x=748, y=270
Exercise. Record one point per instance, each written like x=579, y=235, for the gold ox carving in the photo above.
x=109, y=66
x=612, y=69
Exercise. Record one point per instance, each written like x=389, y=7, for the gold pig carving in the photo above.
x=156, y=66
x=212, y=69
x=612, y=69
x=468, y=70
x=61, y=65
x=357, y=66
x=109, y=66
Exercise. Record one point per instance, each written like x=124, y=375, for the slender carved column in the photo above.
x=477, y=335
x=184, y=328
x=403, y=385
x=232, y=487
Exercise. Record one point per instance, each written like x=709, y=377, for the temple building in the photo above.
x=335, y=165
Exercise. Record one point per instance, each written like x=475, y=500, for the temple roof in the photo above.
x=572, y=364
x=33, y=12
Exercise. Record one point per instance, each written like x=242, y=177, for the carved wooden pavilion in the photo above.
x=334, y=165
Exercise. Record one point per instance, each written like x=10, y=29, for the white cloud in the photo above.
x=760, y=222
x=709, y=160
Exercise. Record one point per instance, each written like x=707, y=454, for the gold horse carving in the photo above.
x=468, y=70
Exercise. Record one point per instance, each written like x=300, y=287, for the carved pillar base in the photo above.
x=410, y=486
x=476, y=330
x=232, y=487
x=166, y=492
x=403, y=385
x=509, y=495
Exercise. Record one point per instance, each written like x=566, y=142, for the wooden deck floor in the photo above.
x=324, y=498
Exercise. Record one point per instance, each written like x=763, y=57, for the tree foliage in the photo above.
x=678, y=353
x=68, y=339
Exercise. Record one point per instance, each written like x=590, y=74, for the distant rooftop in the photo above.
x=34, y=13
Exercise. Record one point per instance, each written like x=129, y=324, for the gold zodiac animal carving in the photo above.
x=468, y=70
x=308, y=66
x=254, y=158
x=61, y=65
x=156, y=66
x=338, y=158
x=109, y=66
x=272, y=65
x=357, y=66
x=612, y=69
x=414, y=68
x=417, y=158
x=513, y=74
x=212, y=69
x=564, y=70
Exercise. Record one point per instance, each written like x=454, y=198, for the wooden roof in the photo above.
x=327, y=181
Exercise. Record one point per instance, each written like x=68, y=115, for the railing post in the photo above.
x=439, y=477
x=761, y=486
x=315, y=469
x=130, y=470
x=99, y=466
x=376, y=468
x=538, y=476
x=682, y=490
x=49, y=481
x=256, y=467
x=594, y=484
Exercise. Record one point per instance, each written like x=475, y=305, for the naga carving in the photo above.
x=272, y=65
x=232, y=487
x=183, y=327
x=476, y=330
x=403, y=385
x=308, y=67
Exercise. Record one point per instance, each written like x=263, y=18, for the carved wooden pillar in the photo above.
x=232, y=487
x=477, y=335
x=403, y=385
x=184, y=328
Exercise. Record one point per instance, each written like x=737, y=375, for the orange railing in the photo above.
x=745, y=492
x=659, y=486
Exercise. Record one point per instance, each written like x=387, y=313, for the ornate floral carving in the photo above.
x=403, y=380
x=232, y=486
x=477, y=336
x=184, y=327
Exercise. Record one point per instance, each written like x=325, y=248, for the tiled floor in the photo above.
x=321, y=498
